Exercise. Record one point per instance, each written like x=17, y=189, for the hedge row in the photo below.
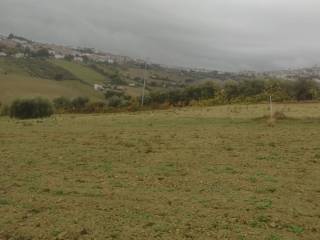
x=41, y=108
x=31, y=108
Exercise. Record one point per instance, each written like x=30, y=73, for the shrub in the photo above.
x=58, y=77
x=41, y=53
x=79, y=103
x=96, y=107
x=279, y=115
x=115, y=101
x=31, y=108
x=62, y=104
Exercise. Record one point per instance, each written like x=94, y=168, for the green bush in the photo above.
x=96, y=107
x=115, y=101
x=4, y=110
x=31, y=108
x=79, y=103
x=62, y=104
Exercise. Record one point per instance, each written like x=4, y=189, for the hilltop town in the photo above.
x=21, y=47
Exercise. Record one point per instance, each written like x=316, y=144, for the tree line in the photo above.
x=210, y=93
x=244, y=91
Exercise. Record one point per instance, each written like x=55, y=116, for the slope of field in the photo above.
x=35, y=68
x=194, y=173
x=19, y=86
x=81, y=71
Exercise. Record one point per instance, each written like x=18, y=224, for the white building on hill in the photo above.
x=59, y=56
x=19, y=55
x=78, y=59
x=98, y=87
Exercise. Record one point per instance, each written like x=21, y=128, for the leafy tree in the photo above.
x=111, y=93
x=248, y=88
x=59, y=77
x=115, y=101
x=42, y=53
x=69, y=57
x=62, y=103
x=79, y=103
x=96, y=107
x=231, y=90
x=85, y=59
x=31, y=108
x=116, y=79
x=305, y=89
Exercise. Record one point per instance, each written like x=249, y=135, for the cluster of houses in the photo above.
x=101, y=88
x=60, y=52
x=78, y=55
x=3, y=54
x=291, y=74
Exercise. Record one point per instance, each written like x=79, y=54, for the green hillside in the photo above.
x=14, y=86
x=36, y=77
x=35, y=68
x=29, y=77
x=81, y=71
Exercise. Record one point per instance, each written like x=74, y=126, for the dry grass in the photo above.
x=194, y=173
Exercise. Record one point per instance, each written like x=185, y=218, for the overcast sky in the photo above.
x=216, y=34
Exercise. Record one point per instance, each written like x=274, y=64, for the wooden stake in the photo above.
x=271, y=108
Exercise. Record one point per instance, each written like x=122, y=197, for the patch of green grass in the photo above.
x=55, y=233
x=242, y=237
x=259, y=222
x=107, y=166
x=270, y=179
x=59, y=193
x=273, y=237
x=295, y=229
x=166, y=169
x=4, y=201
x=264, y=204
x=263, y=219
x=253, y=179
x=266, y=190
x=317, y=156
x=38, y=68
x=30, y=87
x=230, y=170
x=81, y=71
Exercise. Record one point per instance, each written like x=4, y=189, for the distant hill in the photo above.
x=39, y=77
x=28, y=68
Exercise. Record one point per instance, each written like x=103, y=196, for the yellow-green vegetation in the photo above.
x=27, y=78
x=83, y=72
x=13, y=86
x=191, y=173
x=161, y=75
x=33, y=67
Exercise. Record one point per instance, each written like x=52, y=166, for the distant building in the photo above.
x=132, y=84
x=19, y=55
x=2, y=54
x=119, y=88
x=51, y=52
x=110, y=61
x=98, y=87
x=59, y=56
x=20, y=41
x=78, y=59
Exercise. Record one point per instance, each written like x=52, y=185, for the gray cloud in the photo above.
x=217, y=34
